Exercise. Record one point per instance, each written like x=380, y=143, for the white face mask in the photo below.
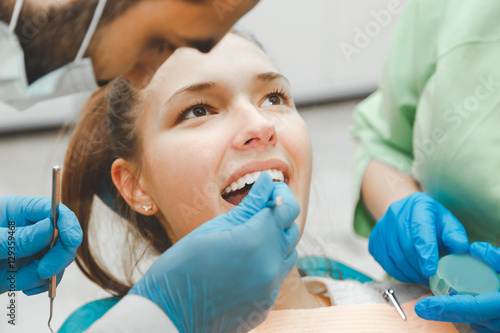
x=74, y=78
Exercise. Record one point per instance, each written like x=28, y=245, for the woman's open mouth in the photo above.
x=238, y=189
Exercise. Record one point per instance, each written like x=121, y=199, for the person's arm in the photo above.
x=383, y=185
x=407, y=228
x=383, y=123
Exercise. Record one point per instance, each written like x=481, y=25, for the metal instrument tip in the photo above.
x=50, y=317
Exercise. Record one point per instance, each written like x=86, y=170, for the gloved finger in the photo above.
x=290, y=262
x=32, y=210
x=290, y=239
x=254, y=201
x=460, y=308
x=288, y=212
x=487, y=327
x=486, y=252
x=23, y=210
x=27, y=277
x=43, y=288
x=423, y=223
x=69, y=228
x=401, y=254
x=56, y=260
x=27, y=240
x=402, y=267
x=453, y=234
x=37, y=290
x=378, y=248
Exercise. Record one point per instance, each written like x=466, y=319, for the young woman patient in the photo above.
x=187, y=149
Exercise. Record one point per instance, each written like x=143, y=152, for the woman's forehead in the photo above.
x=233, y=59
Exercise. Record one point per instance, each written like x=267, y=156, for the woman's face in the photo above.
x=211, y=122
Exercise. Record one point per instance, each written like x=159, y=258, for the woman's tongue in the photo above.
x=237, y=196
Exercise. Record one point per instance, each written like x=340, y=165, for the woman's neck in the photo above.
x=294, y=294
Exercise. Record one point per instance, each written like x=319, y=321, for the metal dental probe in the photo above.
x=56, y=191
x=391, y=297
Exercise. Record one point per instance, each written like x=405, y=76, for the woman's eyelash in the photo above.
x=282, y=92
x=182, y=114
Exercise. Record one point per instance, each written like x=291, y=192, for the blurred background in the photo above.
x=332, y=51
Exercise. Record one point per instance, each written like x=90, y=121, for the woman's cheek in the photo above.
x=194, y=200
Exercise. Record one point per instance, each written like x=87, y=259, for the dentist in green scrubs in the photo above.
x=428, y=162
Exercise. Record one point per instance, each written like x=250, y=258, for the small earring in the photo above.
x=147, y=207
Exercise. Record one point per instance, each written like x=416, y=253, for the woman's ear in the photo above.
x=131, y=189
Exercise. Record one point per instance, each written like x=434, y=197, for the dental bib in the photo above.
x=372, y=318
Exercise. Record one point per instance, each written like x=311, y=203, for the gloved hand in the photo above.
x=227, y=273
x=25, y=231
x=408, y=239
x=483, y=311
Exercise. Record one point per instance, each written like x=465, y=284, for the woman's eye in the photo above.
x=273, y=100
x=195, y=112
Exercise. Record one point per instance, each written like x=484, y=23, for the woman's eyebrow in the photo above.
x=270, y=76
x=198, y=87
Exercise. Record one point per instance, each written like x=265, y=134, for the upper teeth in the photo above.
x=250, y=178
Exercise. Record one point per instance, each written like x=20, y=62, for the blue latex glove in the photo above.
x=227, y=273
x=408, y=239
x=27, y=241
x=482, y=311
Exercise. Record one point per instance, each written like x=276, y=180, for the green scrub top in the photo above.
x=436, y=115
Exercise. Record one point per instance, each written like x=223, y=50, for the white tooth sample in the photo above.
x=241, y=183
x=256, y=175
x=249, y=179
x=276, y=174
x=281, y=177
x=234, y=186
x=270, y=173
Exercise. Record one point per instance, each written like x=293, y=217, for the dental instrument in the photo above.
x=56, y=185
x=278, y=201
x=389, y=296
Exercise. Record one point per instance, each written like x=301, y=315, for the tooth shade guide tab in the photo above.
x=278, y=201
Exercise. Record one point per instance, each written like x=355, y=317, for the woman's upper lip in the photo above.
x=258, y=166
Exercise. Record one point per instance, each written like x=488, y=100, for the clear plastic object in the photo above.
x=461, y=274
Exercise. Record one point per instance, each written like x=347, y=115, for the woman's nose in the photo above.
x=140, y=76
x=255, y=130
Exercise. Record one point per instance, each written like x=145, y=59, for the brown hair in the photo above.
x=107, y=131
